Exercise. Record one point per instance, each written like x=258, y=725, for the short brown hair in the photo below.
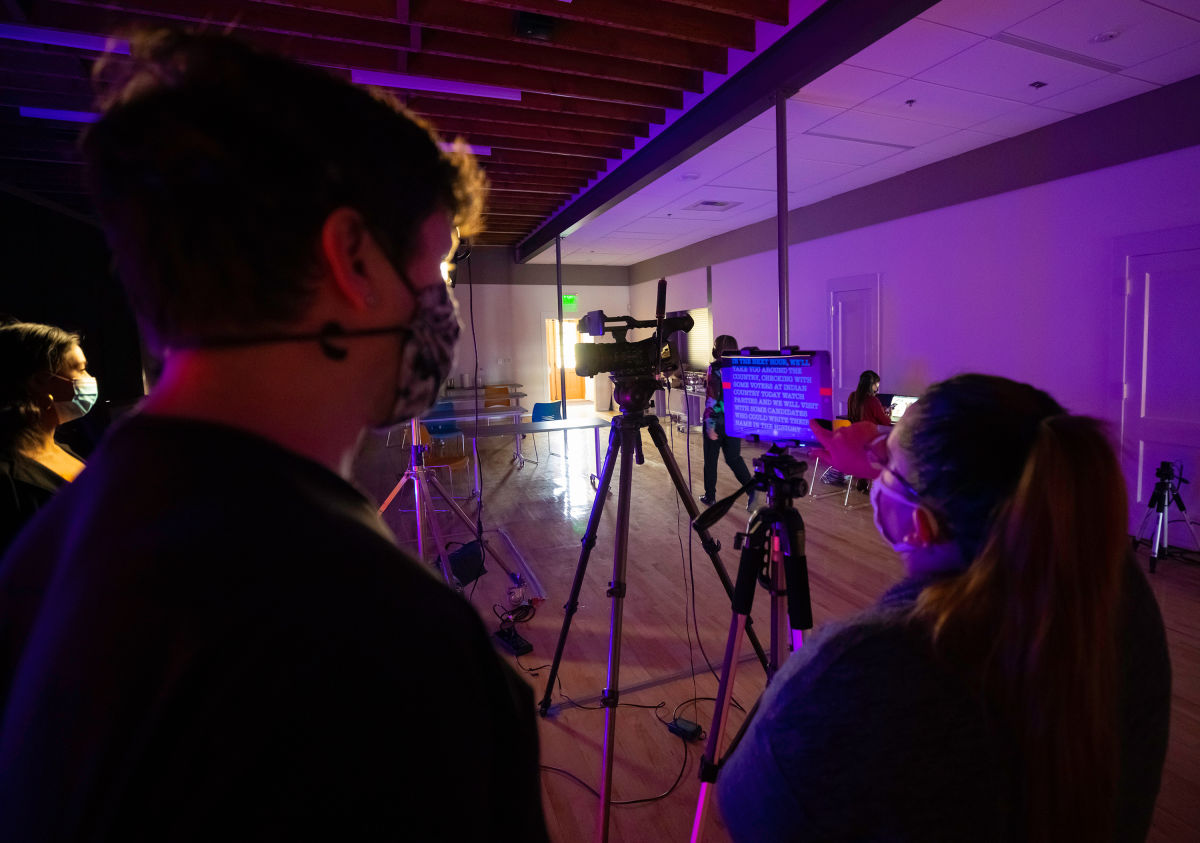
x=215, y=165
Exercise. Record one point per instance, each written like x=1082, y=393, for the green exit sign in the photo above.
x=569, y=302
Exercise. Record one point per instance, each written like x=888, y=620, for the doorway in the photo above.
x=1160, y=405
x=555, y=363
x=853, y=333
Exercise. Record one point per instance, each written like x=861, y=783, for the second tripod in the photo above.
x=772, y=554
x=632, y=393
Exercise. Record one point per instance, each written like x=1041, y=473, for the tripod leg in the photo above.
x=1186, y=521
x=589, y=541
x=466, y=519
x=630, y=438
x=395, y=491
x=706, y=540
x=743, y=601
x=425, y=508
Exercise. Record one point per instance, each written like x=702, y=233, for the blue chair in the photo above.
x=544, y=411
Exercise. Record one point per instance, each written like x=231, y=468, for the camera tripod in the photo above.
x=424, y=484
x=1164, y=494
x=772, y=553
x=632, y=393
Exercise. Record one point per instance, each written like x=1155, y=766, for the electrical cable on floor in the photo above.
x=643, y=800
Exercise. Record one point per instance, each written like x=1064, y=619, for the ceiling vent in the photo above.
x=712, y=205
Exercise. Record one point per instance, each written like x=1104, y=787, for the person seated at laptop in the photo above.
x=864, y=405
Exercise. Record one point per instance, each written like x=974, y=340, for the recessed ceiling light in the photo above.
x=1037, y=84
x=712, y=205
x=1101, y=37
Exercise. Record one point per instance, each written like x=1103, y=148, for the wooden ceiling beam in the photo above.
x=593, y=108
x=558, y=84
x=308, y=48
x=538, y=56
x=534, y=145
x=495, y=22
x=654, y=17
x=450, y=126
x=439, y=110
x=591, y=166
x=266, y=17
x=535, y=181
x=768, y=11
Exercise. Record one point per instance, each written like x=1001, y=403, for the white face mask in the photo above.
x=878, y=489
x=86, y=391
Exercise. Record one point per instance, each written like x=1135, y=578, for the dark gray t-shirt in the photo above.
x=865, y=735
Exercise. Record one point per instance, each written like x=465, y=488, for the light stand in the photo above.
x=632, y=393
x=424, y=484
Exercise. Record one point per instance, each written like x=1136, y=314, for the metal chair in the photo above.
x=545, y=411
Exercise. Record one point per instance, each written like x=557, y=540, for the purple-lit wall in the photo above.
x=1020, y=284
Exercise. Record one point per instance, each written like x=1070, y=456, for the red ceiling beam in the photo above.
x=442, y=110
x=650, y=16
x=460, y=16
x=558, y=84
x=541, y=57
x=770, y=11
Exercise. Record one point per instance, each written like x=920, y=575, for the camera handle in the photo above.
x=773, y=554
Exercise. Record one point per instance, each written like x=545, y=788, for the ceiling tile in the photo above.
x=837, y=150
x=1172, y=67
x=879, y=128
x=1004, y=70
x=801, y=116
x=983, y=18
x=1188, y=8
x=1102, y=92
x=750, y=140
x=942, y=148
x=749, y=199
x=932, y=103
x=846, y=86
x=1142, y=30
x=915, y=46
x=760, y=173
x=1024, y=119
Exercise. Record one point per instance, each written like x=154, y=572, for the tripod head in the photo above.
x=776, y=472
x=633, y=391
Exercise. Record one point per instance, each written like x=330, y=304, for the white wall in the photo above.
x=1019, y=284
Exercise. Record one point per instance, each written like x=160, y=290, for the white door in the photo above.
x=853, y=332
x=1160, y=412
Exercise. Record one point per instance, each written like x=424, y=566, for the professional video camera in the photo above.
x=622, y=357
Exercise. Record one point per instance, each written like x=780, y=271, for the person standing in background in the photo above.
x=44, y=383
x=716, y=441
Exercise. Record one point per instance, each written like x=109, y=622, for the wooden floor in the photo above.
x=676, y=620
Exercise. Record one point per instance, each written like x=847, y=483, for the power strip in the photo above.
x=512, y=641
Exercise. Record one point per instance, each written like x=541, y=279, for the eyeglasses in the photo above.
x=879, y=457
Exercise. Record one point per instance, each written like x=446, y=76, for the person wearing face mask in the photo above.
x=212, y=631
x=1014, y=686
x=44, y=383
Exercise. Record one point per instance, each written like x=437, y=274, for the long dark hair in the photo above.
x=27, y=349
x=1039, y=510
x=866, y=383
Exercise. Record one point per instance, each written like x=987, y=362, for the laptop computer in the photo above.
x=900, y=403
